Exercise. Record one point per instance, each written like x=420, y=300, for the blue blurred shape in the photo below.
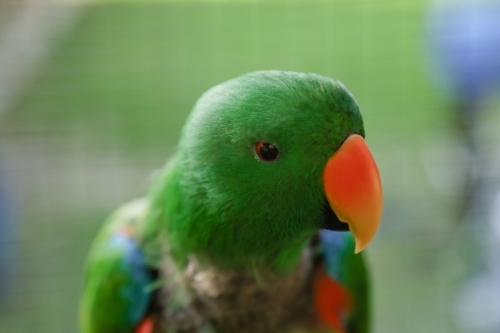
x=7, y=244
x=464, y=45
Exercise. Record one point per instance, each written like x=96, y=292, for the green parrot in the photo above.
x=255, y=225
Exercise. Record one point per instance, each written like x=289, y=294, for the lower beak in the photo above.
x=354, y=190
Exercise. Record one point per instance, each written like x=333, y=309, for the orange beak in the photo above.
x=353, y=189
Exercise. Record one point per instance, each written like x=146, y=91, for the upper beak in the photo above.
x=353, y=189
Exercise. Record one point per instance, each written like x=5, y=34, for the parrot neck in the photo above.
x=182, y=218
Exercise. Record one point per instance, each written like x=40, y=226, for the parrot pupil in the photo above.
x=266, y=151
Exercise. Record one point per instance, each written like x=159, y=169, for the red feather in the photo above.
x=146, y=326
x=331, y=301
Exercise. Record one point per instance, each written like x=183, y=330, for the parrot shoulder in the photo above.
x=117, y=282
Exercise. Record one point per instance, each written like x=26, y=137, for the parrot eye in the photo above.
x=266, y=151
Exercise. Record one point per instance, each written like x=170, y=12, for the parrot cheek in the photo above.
x=353, y=189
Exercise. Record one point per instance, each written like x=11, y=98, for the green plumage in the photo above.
x=216, y=201
x=235, y=209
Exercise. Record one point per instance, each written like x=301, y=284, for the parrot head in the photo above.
x=265, y=161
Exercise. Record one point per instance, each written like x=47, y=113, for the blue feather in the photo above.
x=136, y=292
x=334, y=245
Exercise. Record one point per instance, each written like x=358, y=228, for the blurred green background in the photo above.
x=105, y=106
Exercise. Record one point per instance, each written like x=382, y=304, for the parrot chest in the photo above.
x=223, y=302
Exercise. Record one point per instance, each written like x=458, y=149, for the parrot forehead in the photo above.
x=275, y=105
x=276, y=93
